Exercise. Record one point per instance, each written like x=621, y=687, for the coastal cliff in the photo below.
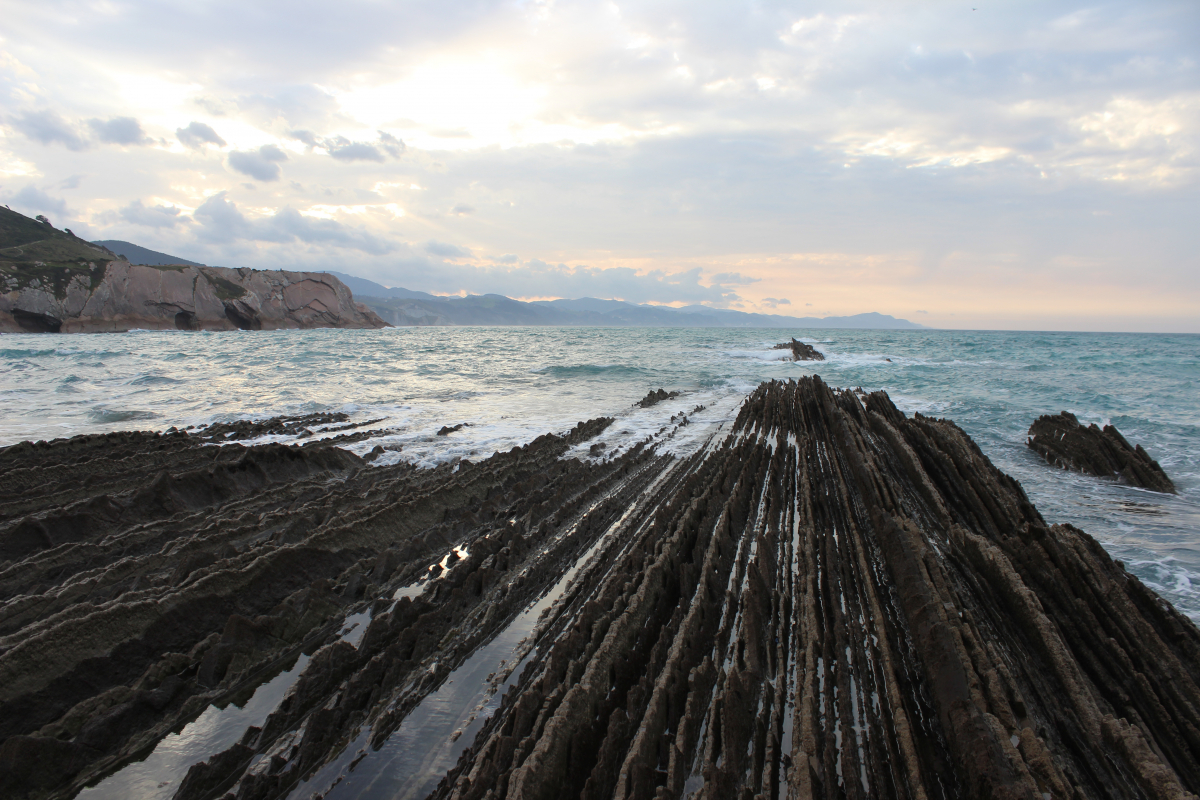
x=54, y=282
x=831, y=599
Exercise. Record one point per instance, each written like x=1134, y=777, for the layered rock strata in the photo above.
x=828, y=600
x=800, y=350
x=106, y=296
x=1064, y=442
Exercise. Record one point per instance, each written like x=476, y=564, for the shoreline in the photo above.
x=200, y=567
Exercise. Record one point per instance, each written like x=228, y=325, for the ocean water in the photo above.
x=509, y=385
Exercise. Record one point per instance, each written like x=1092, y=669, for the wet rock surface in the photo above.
x=829, y=600
x=801, y=351
x=653, y=398
x=1103, y=452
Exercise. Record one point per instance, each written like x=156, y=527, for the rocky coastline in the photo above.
x=830, y=600
x=53, y=282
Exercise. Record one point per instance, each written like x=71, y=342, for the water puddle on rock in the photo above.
x=159, y=774
x=432, y=737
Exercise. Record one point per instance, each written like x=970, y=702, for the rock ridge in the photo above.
x=1064, y=442
x=830, y=599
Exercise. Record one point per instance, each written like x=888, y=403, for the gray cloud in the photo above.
x=152, y=217
x=118, y=130
x=772, y=302
x=343, y=149
x=222, y=222
x=462, y=209
x=735, y=278
x=48, y=127
x=32, y=198
x=445, y=250
x=354, y=151
x=197, y=134
x=261, y=164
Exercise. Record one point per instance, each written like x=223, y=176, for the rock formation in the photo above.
x=653, y=398
x=1063, y=442
x=829, y=600
x=800, y=350
x=53, y=282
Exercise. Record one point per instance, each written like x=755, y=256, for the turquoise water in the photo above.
x=512, y=384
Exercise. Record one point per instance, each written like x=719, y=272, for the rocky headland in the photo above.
x=829, y=600
x=1063, y=442
x=54, y=282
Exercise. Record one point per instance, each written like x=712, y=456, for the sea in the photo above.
x=508, y=385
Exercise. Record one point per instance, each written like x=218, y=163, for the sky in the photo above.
x=1018, y=165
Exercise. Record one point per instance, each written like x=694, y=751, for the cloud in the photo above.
x=734, y=278
x=355, y=151
x=462, y=209
x=445, y=250
x=261, y=164
x=307, y=137
x=772, y=302
x=197, y=134
x=48, y=127
x=153, y=217
x=222, y=222
x=118, y=130
x=343, y=149
x=32, y=198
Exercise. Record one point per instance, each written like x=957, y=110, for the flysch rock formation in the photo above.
x=119, y=296
x=829, y=600
x=800, y=350
x=1063, y=442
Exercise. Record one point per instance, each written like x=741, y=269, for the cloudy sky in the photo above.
x=960, y=164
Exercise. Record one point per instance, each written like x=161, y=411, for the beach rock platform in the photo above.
x=829, y=600
x=800, y=350
x=1064, y=442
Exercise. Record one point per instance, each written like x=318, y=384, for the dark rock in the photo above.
x=654, y=398
x=1063, y=442
x=836, y=600
x=205, y=779
x=801, y=351
x=445, y=429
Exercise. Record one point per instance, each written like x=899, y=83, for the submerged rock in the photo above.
x=1064, y=442
x=800, y=350
x=832, y=600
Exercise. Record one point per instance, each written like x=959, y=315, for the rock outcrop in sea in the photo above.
x=800, y=350
x=53, y=282
x=1064, y=442
x=828, y=600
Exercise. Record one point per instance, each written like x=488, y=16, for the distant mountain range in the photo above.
x=405, y=307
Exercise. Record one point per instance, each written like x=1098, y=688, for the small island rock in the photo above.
x=800, y=350
x=1064, y=442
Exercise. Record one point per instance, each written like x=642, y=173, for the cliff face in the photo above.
x=51, y=281
x=119, y=296
x=834, y=601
